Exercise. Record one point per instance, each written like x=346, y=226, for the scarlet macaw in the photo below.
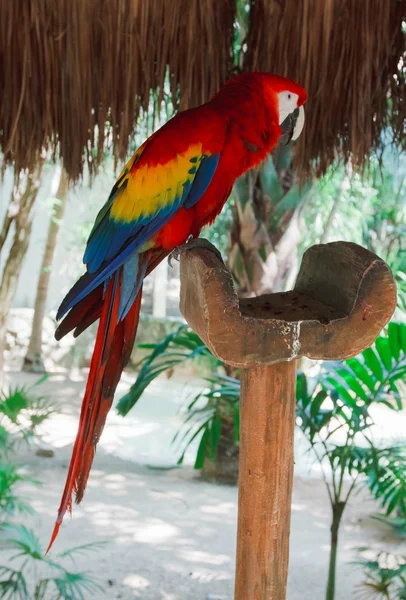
x=176, y=183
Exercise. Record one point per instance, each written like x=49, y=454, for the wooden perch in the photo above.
x=343, y=297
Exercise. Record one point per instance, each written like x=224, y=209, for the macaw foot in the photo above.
x=190, y=245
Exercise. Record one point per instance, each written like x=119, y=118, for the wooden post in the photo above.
x=343, y=297
x=267, y=420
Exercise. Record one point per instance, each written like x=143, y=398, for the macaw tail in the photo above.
x=119, y=311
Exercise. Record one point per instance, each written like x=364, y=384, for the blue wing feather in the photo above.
x=112, y=244
x=202, y=180
x=133, y=275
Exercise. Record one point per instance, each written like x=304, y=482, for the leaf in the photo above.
x=343, y=393
x=202, y=427
x=317, y=402
x=270, y=181
x=82, y=549
x=5, y=442
x=41, y=589
x=396, y=394
x=215, y=432
x=361, y=372
x=402, y=335
x=9, y=501
x=386, y=472
x=301, y=387
x=12, y=404
x=384, y=350
x=221, y=402
x=290, y=201
x=392, y=504
x=13, y=584
x=42, y=379
x=353, y=383
x=397, y=524
x=372, y=362
x=21, y=539
x=71, y=586
x=201, y=452
x=176, y=348
x=19, y=405
x=394, y=339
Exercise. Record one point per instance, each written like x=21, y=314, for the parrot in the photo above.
x=176, y=183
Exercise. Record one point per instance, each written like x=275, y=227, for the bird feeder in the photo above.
x=344, y=295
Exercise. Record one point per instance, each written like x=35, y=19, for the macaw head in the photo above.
x=289, y=98
x=247, y=95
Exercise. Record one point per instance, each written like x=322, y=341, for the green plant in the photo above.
x=335, y=416
x=388, y=484
x=387, y=480
x=22, y=411
x=34, y=576
x=176, y=348
x=212, y=412
x=10, y=502
x=385, y=577
x=37, y=575
x=366, y=207
x=395, y=523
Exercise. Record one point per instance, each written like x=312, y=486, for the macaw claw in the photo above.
x=190, y=245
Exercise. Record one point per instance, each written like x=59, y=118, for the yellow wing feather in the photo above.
x=151, y=188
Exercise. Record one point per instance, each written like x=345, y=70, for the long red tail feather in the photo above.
x=112, y=350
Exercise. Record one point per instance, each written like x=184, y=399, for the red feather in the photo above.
x=114, y=342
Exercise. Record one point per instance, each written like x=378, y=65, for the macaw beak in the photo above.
x=292, y=126
x=299, y=123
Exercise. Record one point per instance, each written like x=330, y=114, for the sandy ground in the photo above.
x=170, y=536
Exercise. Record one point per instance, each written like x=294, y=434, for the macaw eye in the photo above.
x=289, y=96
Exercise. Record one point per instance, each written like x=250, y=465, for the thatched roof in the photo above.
x=74, y=71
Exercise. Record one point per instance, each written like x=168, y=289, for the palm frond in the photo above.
x=13, y=585
x=176, y=348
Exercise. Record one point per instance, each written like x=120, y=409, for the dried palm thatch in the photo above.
x=350, y=56
x=76, y=73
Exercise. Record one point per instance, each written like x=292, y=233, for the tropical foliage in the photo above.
x=366, y=208
x=385, y=576
x=336, y=417
x=22, y=410
x=176, y=348
x=38, y=576
x=26, y=573
x=211, y=414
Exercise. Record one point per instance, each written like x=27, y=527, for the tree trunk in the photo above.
x=338, y=510
x=33, y=361
x=251, y=252
x=9, y=217
x=24, y=194
x=265, y=231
